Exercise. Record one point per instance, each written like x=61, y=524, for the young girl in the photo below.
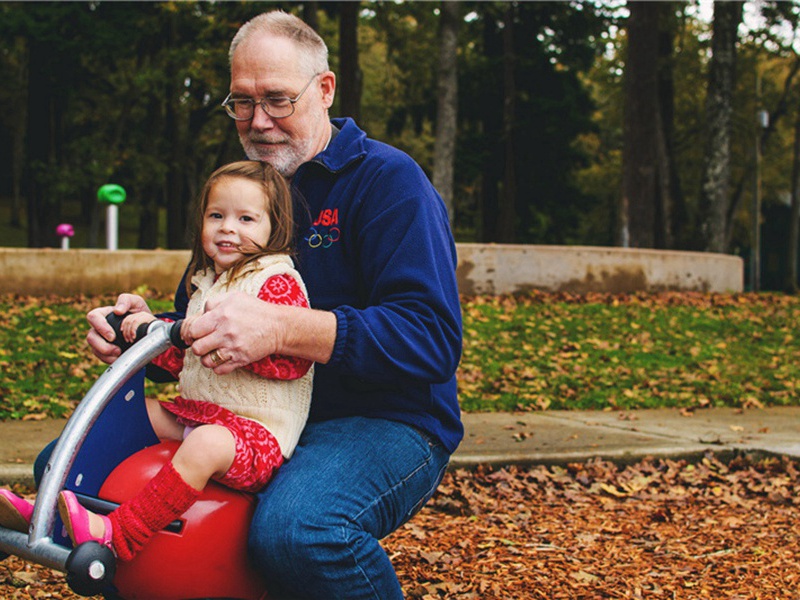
x=236, y=428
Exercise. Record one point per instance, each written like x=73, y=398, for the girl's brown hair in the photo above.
x=278, y=201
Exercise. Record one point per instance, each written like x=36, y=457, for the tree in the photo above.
x=642, y=131
x=650, y=184
x=349, y=71
x=507, y=214
x=534, y=70
x=444, y=152
x=790, y=281
x=13, y=72
x=715, y=194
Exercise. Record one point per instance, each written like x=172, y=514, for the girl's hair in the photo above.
x=278, y=201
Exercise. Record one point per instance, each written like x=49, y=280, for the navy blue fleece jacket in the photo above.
x=375, y=247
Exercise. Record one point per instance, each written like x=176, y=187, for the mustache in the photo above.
x=267, y=139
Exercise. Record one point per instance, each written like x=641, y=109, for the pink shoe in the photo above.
x=15, y=512
x=76, y=520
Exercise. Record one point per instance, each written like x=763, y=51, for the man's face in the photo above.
x=269, y=66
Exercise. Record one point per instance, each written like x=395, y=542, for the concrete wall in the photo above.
x=482, y=269
x=70, y=272
x=496, y=269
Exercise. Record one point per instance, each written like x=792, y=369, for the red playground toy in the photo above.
x=105, y=455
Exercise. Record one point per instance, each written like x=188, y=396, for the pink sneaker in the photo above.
x=15, y=512
x=76, y=520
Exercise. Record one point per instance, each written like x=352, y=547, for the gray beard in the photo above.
x=284, y=158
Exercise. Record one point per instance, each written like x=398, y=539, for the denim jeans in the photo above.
x=350, y=483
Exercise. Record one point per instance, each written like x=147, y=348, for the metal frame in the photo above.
x=38, y=546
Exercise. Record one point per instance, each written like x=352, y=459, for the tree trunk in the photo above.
x=492, y=128
x=673, y=216
x=18, y=134
x=507, y=219
x=790, y=283
x=715, y=194
x=41, y=203
x=310, y=15
x=175, y=196
x=349, y=71
x=643, y=142
x=447, y=108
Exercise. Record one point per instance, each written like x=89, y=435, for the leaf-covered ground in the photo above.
x=602, y=351
x=656, y=529
x=529, y=352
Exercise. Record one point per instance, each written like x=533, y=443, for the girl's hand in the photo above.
x=185, y=335
x=132, y=322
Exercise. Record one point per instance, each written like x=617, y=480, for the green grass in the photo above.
x=46, y=365
x=535, y=352
x=681, y=350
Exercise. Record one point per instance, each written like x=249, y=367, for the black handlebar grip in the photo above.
x=116, y=320
x=175, y=335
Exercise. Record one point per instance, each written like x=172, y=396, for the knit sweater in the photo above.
x=279, y=405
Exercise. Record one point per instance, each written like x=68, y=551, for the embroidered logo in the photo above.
x=325, y=230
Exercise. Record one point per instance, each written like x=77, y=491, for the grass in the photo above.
x=46, y=365
x=533, y=352
x=682, y=350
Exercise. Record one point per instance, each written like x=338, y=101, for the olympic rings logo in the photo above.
x=316, y=239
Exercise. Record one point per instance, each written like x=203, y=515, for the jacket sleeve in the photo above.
x=409, y=326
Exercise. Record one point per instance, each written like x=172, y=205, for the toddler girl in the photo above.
x=235, y=428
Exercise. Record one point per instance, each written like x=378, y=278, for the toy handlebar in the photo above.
x=90, y=567
x=116, y=320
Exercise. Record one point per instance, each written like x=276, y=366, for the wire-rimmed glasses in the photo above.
x=277, y=107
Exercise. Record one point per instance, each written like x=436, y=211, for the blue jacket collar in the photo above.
x=346, y=148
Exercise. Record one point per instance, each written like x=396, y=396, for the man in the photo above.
x=378, y=258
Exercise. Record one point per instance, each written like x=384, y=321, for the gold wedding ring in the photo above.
x=216, y=358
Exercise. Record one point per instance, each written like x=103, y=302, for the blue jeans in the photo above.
x=350, y=483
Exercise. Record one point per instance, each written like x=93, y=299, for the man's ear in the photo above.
x=327, y=84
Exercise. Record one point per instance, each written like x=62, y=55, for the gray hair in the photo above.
x=282, y=24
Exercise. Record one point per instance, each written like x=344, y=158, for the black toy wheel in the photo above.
x=90, y=569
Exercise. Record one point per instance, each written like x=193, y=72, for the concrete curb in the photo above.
x=554, y=437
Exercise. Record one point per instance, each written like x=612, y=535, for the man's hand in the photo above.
x=235, y=330
x=101, y=335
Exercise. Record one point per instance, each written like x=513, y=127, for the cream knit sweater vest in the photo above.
x=280, y=406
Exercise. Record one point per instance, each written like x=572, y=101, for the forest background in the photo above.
x=641, y=124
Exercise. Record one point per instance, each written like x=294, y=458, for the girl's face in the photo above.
x=235, y=222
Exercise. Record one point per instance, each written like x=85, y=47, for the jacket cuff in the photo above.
x=341, y=337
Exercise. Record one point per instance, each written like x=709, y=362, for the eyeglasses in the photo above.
x=277, y=107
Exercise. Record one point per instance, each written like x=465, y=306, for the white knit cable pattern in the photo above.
x=281, y=406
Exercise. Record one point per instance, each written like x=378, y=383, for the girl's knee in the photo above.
x=208, y=451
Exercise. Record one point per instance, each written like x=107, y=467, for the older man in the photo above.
x=378, y=258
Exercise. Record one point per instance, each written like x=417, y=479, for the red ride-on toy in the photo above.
x=106, y=454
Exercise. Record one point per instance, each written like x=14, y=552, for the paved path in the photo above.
x=551, y=437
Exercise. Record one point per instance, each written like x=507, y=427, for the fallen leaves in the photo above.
x=656, y=529
x=46, y=365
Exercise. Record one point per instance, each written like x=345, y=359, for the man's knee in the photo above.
x=279, y=533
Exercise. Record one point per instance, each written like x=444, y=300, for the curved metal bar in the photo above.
x=41, y=548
